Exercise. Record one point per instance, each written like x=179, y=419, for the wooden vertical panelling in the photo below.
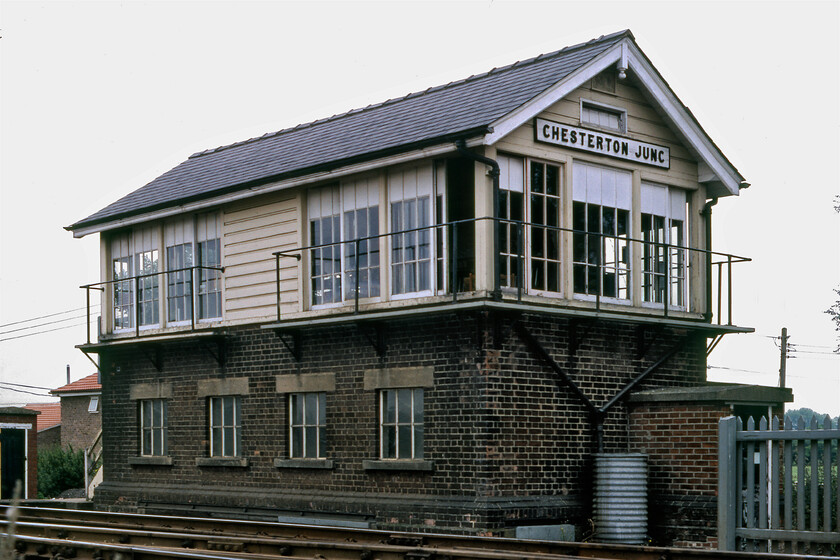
x=728, y=487
x=252, y=231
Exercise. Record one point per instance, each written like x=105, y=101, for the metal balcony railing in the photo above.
x=658, y=272
x=132, y=286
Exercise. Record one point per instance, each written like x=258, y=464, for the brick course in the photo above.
x=510, y=444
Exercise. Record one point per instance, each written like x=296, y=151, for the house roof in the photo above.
x=50, y=414
x=459, y=110
x=83, y=385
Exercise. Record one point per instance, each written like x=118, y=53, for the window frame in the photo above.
x=341, y=205
x=235, y=427
x=161, y=429
x=529, y=230
x=416, y=428
x=671, y=195
x=305, y=400
x=620, y=112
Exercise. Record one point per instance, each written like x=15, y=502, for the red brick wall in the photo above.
x=681, y=443
x=31, y=449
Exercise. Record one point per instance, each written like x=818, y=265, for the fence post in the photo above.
x=727, y=483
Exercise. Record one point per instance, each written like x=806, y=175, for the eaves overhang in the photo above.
x=326, y=171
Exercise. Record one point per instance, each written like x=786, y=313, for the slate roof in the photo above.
x=461, y=109
x=50, y=415
x=85, y=384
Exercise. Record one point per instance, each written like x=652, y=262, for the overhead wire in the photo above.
x=42, y=332
x=47, y=316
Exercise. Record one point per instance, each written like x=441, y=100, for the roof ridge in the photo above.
x=496, y=70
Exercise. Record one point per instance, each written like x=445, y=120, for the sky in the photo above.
x=99, y=98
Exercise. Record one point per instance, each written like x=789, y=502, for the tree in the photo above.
x=834, y=310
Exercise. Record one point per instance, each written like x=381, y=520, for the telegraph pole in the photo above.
x=783, y=358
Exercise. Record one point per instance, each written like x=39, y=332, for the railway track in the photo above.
x=59, y=533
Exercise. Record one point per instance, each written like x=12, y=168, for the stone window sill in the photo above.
x=303, y=463
x=417, y=465
x=157, y=460
x=221, y=462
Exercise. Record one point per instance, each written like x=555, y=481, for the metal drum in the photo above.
x=620, y=498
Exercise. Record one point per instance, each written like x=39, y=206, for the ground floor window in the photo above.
x=307, y=424
x=225, y=426
x=153, y=427
x=401, y=423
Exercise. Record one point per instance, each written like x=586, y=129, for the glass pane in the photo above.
x=147, y=441
x=228, y=411
x=311, y=409
x=228, y=438
x=215, y=412
x=297, y=442
x=322, y=445
x=322, y=409
x=157, y=444
x=404, y=405
x=297, y=409
x=389, y=444
x=390, y=415
x=537, y=177
x=311, y=440
x=405, y=446
x=552, y=180
x=216, y=449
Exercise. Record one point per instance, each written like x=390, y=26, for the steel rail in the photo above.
x=286, y=539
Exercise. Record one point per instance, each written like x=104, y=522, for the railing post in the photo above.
x=667, y=298
x=195, y=299
x=356, y=279
x=453, y=261
x=137, y=305
x=727, y=483
x=277, y=281
x=87, y=298
x=720, y=293
x=519, y=258
x=729, y=286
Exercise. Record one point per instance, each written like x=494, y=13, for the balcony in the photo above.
x=156, y=306
x=539, y=269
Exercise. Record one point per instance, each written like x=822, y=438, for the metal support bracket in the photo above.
x=711, y=346
x=153, y=356
x=376, y=338
x=294, y=345
x=219, y=353
x=87, y=355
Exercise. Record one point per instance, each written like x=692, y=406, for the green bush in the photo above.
x=60, y=469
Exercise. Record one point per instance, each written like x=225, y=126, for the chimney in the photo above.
x=68, y=374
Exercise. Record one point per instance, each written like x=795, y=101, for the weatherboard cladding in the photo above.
x=418, y=118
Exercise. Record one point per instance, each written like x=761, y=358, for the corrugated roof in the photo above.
x=50, y=414
x=459, y=109
x=89, y=383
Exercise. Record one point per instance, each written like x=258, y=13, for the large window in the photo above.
x=410, y=193
x=401, y=423
x=163, y=283
x=663, y=231
x=338, y=216
x=307, y=424
x=225, y=427
x=601, y=223
x=539, y=243
x=153, y=427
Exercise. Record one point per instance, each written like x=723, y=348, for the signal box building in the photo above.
x=425, y=314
